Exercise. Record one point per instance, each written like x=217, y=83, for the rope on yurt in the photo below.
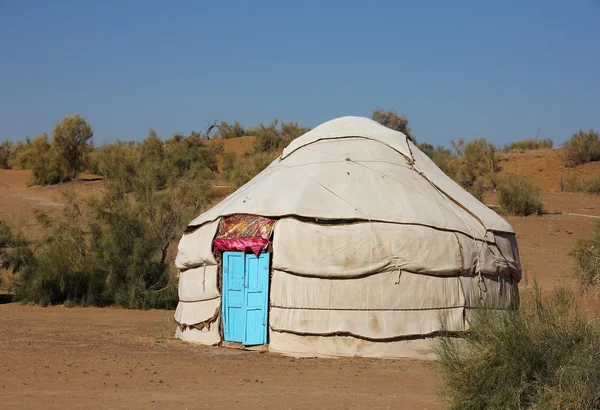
x=480, y=282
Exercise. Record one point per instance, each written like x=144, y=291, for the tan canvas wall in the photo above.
x=191, y=313
x=385, y=290
x=363, y=248
x=199, y=284
x=344, y=346
x=195, y=248
x=205, y=336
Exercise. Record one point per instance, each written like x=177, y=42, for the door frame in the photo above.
x=267, y=295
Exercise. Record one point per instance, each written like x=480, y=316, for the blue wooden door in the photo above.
x=233, y=296
x=256, y=298
x=245, y=297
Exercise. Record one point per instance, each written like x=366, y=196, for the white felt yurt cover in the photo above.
x=373, y=245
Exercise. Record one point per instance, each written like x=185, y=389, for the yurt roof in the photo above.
x=355, y=169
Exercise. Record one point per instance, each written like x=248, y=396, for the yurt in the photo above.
x=351, y=243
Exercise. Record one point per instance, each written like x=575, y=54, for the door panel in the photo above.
x=233, y=296
x=256, y=298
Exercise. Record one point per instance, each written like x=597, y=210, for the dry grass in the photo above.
x=528, y=145
x=574, y=183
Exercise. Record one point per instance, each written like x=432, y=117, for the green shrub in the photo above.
x=275, y=136
x=546, y=357
x=582, y=147
x=292, y=130
x=7, y=153
x=58, y=159
x=391, y=119
x=227, y=130
x=196, y=156
x=112, y=250
x=518, y=196
x=427, y=148
x=229, y=160
x=14, y=250
x=587, y=257
x=441, y=156
x=268, y=138
x=44, y=161
x=473, y=166
x=573, y=183
x=16, y=158
x=166, y=162
x=118, y=160
x=529, y=145
x=443, y=159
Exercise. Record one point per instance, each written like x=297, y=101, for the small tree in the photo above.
x=394, y=121
x=72, y=138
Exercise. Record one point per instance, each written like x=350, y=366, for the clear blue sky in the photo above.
x=497, y=70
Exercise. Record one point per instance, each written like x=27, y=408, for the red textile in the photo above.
x=245, y=226
x=254, y=245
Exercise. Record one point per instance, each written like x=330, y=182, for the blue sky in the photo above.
x=497, y=70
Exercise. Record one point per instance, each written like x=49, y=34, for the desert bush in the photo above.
x=582, y=147
x=543, y=357
x=166, y=161
x=587, y=257
x=227, y=130
x=22, y=154
x=392, y=120
x=443, y=159
x=112, y=250
x=473, y=165
x=440, y=155
x=518, y=196
x=114, y=161
x=529, y=145
x=58, y=159
x=46, y=164
x=291, y=130
x=268, y=137
x=229, y=160
x=275, y=136
x=573, y=183
x=14, y=249
x=427, y=148
x=199, y=158
x=7, y=153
